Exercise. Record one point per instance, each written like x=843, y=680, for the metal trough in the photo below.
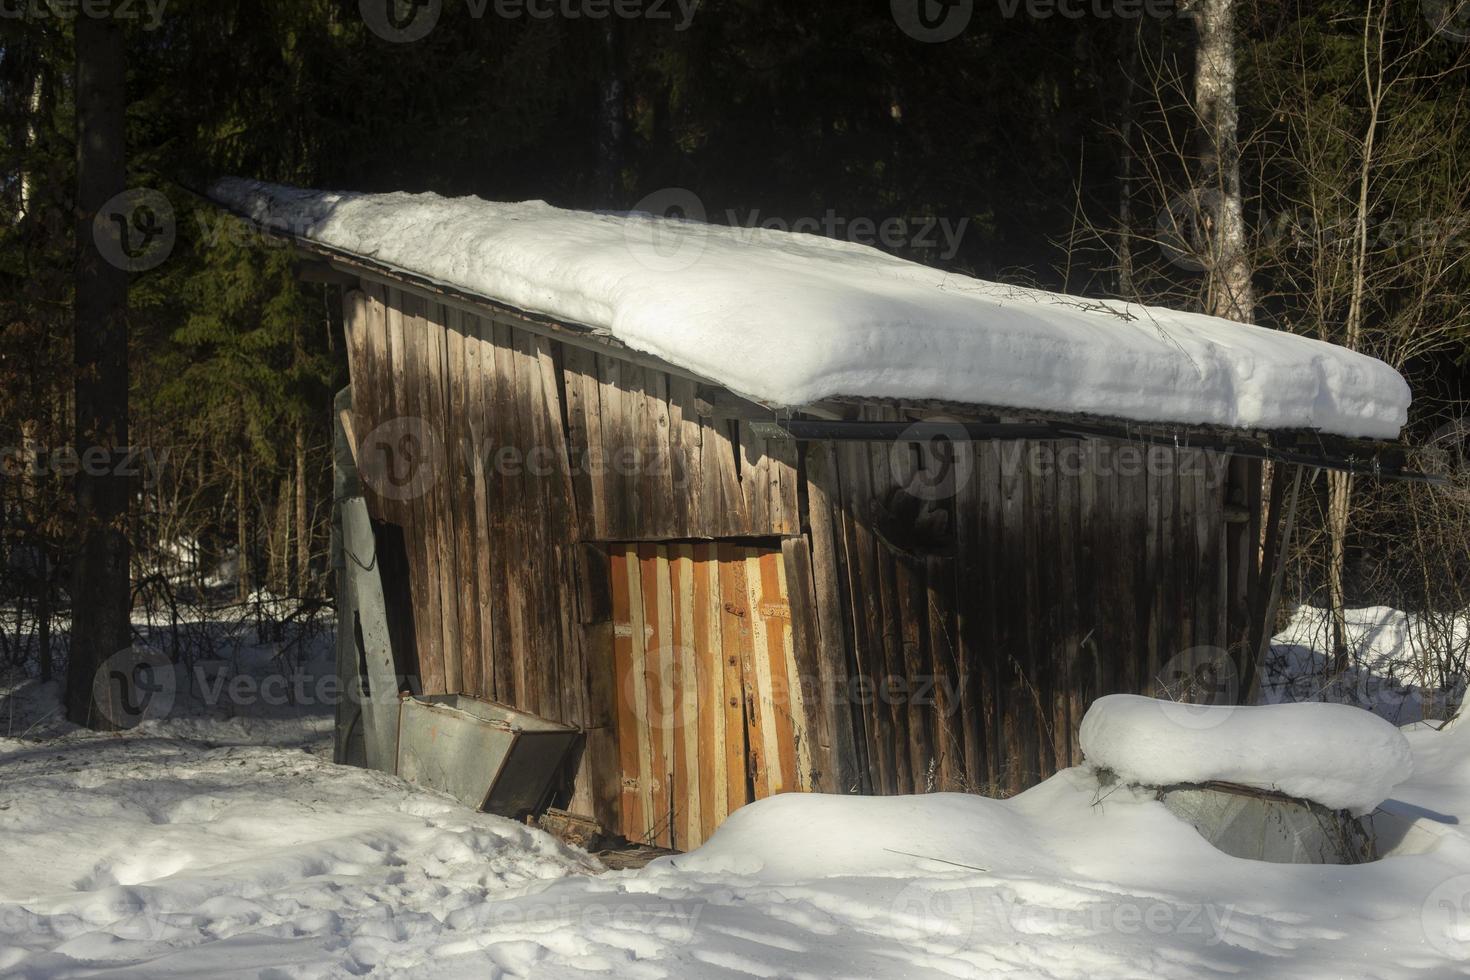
x=486, y=755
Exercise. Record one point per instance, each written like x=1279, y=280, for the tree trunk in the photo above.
x=610, y=116
x=242, y=533
x=1230, y=294
x=32, y=129
x=1339, y=503
x=100, y=625
x=303, y=531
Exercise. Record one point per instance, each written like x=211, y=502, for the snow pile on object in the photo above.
x=1333, y=754
x=790, y=319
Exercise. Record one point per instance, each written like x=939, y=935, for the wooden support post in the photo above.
x=1279, y=530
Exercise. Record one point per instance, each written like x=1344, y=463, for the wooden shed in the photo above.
x=733, y=599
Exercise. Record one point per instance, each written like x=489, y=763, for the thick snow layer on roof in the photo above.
x=1334, y=754
x=789, y=319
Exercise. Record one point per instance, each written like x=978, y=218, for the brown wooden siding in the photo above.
x=945, y=638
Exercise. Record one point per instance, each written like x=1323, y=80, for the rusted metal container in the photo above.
x=486, y=755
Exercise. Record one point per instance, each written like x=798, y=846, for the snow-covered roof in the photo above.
x=791, y=319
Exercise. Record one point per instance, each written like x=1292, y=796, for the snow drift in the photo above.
x=1337, y=755
x=790, y=319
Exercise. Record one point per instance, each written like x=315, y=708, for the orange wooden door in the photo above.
x=709, y=710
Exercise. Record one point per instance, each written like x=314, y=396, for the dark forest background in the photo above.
x=1064, y=148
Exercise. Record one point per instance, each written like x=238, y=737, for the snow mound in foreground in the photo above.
x=808, y=836
x=1337, y=755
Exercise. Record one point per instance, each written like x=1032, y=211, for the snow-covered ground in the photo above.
x=228, y=846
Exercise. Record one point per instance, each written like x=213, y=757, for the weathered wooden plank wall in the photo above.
x=955, y=607
x=987, y=595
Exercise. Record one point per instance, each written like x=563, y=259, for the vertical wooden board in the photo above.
x=688, y=831
x=833, y=674
x=527, y=529
x=584, y=429
x=1168, y=587
x=400, y=512
x=966, y=601
x=863, y=592
x=1157, y=564
x=735, y=641
x=604, y=768
x=785, y=510
x=657, y=630
x=755, y=481
x=884, y=582
x=686, y=471
x=1187, y=541
x=894, y=470
x=619, y=447
x=791, y=717
x=479, y=362
x=816, y=764
x=762, y=759
x=1213, y=592
x=770, y=615
x=569, y=674
x=1058, y=600
x=1084, y=675
x=1038, y=613
x=1126, y=540
x=626, y=645
x=724, y=497
x=1017, y=715
x=459, y=472
x=379, y=394
x=646, y=830
x=542, y=658
x=506, y=543
x=440, y=497
x=656, y=486
x=1069, y=484
x=947, y=683
x=419, y=399
x=355, y=306
x=669, y=691
x=714, y=801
